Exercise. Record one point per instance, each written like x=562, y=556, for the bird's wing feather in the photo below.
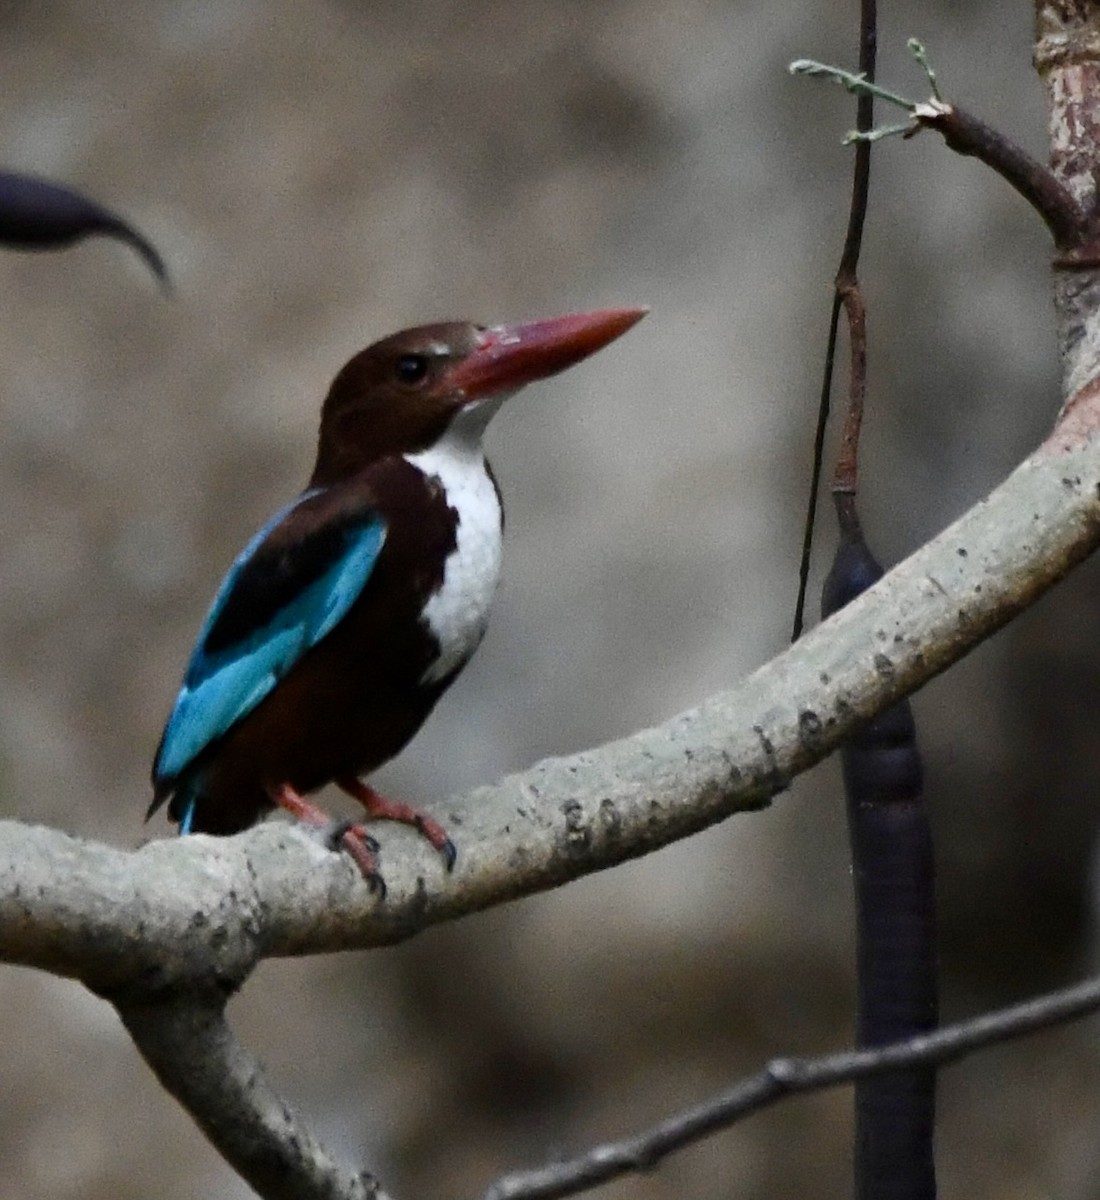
x=288, y=588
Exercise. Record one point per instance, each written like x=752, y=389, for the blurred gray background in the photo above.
x=321, y=174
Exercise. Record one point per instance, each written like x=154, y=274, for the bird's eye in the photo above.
x=412, y=368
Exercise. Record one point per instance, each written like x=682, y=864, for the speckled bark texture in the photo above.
x=1067, y=56
x=190, y=1047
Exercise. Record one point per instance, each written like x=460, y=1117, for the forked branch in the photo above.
x=967, y=135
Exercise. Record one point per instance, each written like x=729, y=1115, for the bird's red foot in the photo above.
x=351, y=836
x=379, y=808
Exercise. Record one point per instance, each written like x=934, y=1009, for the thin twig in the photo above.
x=816, y=468
x=967, y=135
x=786, y=1076
x=844, y=282
x=846, y=472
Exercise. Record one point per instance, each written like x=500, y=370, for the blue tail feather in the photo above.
x=188, y=816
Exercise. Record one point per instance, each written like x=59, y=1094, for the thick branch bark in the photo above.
x=190, y=1047
x=132, y=925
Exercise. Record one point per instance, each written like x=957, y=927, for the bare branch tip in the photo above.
x=917, y=50
x=854, y=136
x=810, y=67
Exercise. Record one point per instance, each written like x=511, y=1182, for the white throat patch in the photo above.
x=458, y=613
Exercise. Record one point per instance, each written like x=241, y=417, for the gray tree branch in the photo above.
x=785, y=1077
x=194, y=910
x=188, y=1043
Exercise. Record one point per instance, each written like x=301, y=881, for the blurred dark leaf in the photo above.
x=37, y=215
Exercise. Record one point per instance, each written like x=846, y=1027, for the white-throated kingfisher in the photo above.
x=347, y=616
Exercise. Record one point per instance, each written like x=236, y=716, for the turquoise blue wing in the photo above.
x=283, y=594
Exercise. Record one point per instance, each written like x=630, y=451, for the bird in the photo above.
x=347, y=616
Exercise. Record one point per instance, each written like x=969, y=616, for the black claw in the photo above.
x=377, y=884
x=450, y=854
x=333, y=834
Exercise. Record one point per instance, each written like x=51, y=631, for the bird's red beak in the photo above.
x=509, y=356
